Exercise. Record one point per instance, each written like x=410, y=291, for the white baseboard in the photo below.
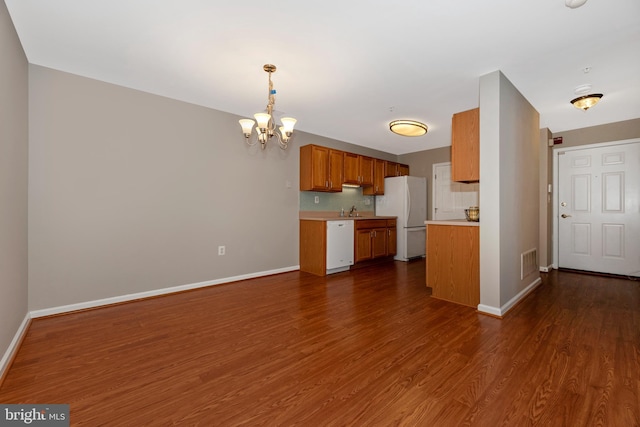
x=487, y=309
x=156, y=292
x=546, y=269
x=512, y=302
x=13, y=346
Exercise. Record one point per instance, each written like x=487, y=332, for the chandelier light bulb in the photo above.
x=262, y=119
x=247, y=126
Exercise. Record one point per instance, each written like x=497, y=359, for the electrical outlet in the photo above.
x=222, y=250
x=316, y=200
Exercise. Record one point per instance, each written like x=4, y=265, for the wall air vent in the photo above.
x=528, y=262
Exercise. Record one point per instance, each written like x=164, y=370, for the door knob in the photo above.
x=565, y=216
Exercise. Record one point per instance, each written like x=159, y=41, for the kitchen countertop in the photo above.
x=335, y=216
x=462, y=222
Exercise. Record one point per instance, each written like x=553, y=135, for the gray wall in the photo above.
x=509, y=148
x=618, y=131
x=131, y=192
x=13, y=182
x=421, y=164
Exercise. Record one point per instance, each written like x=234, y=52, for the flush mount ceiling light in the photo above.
x=408, y=127
x=586, y=101
x=266, y=128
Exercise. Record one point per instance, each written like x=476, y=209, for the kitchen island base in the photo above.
x=453, y=262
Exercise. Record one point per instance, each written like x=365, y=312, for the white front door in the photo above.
x=598, y=209
x=451, y=198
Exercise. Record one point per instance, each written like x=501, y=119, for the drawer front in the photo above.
x=391, y=222
x=370, y=223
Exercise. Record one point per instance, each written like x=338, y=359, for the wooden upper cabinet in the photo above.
x=326, y=169
x=395, y=169
x=366, y=170
x=358, y=169
x=351, y=168
x=465, y=146
x=390, y=169
x=336, y=170
x=379, y=167
x=321, y=169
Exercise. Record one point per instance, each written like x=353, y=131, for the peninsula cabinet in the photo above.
x=465, y=146
x=453, y=263
x=321, y=169
x=374, y=238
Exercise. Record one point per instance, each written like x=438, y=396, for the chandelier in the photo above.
x=266, y=128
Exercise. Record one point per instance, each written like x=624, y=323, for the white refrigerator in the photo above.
x=406, y=198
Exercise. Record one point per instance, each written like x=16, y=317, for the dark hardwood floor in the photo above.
x=364, y=348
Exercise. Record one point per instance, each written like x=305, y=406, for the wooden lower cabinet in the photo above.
x=363, y=245
x=453, y=263
x=374, y=238
x=392, y=238
x=313, y=247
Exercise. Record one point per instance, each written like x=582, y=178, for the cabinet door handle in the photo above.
x=375, y=234
x=326, y=184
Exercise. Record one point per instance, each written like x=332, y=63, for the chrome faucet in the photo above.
x=353, y=209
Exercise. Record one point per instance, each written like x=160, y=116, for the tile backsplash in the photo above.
x=350, y=196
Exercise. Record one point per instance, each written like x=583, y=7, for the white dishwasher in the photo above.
x=339, y=245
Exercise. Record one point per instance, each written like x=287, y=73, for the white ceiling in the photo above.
x=347, y=68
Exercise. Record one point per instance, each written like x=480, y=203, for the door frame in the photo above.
x=556, y=178
x=433, y=186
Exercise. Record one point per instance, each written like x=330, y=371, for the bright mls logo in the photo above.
x=35, y=415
